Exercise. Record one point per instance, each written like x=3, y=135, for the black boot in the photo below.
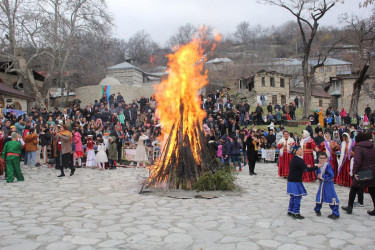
x=372, y=213
x=299, y=217
x=348, y=209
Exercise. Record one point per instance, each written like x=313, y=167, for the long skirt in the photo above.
x=309, y=160
x=284, y=162
x=343, y=178
x=90, y=158
x=335, y=166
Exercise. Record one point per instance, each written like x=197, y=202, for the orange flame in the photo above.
x=186, y=78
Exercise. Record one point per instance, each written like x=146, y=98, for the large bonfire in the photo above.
x=185, y=155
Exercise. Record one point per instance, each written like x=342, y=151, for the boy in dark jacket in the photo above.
x=295, y=186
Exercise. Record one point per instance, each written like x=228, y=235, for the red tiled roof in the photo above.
x=6, y=90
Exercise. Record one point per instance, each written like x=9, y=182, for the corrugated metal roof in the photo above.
x=124, y=65
x=220, y=60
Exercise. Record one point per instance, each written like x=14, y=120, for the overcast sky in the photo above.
x=161, y=18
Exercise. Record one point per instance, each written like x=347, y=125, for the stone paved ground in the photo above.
x=102, y=209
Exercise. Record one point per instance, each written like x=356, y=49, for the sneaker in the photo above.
x=298, y=217
x=357, y=204
x=318, y=213
x=348, y=209
x=333, y=217
x=290, y=213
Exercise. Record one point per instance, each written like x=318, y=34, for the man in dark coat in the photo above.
x=296, y=101
x=259, y=112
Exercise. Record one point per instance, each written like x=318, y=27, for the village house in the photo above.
x=131, y=81
x=15, y=98
x=264, y=87
x=340, y=90
x=12, y=89
x=319, y=98
x=332, y=68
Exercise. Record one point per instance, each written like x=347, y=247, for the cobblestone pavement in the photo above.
x=97, y=209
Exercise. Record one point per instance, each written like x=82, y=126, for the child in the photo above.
x=326, y=192
x=12, y=155
x=295, y=186
x=101, y=156
x=90, y=153
x=78, y=148
x=112, y=152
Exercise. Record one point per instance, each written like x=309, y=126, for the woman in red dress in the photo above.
x=308, y=145
x=343, y=172
x=330, y=147
x=285, y=156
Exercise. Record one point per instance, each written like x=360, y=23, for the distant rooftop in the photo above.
x=312, y=61
x=220, y=60
x=124, y=65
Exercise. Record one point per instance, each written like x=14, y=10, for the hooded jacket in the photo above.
x=364, y=159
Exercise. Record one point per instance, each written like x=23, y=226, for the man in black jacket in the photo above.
x=259, y=112
x=269, y=108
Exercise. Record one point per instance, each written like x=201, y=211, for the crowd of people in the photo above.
x=99, y=131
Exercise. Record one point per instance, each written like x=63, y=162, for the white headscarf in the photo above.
x=342, y=155
x=306, y=137
x=288, y=147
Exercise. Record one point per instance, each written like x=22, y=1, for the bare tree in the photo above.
x=308, y=14
x=140, y=47
x=243, y=32
x=49, y=29
x=184, y=35
x=363, y=36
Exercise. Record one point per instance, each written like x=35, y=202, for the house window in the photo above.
x=282, y=83
x=320, y=103
x=272, y=81
x=274, y=99
x=17, y=106
x=283, y=99
x=329, y=69
x=263, y=81
x=321, y=69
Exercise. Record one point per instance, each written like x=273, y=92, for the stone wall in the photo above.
x=367, y=95
x=89, y=94
x=269, y=91
x=21, y=103
x=315, y=101
x=126, y=76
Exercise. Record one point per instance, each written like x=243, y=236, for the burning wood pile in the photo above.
x=185, y=155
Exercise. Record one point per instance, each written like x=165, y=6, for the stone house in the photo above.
x=319, y=97
x=271, y=85
x=332, y=68
x=340, y=90
x=132, y=82
x=11, y=96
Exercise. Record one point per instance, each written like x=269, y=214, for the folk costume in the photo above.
x=343, y=172
x=295, y=187
x=12, y=155
x=90, y=153
x=78, y=148
x=285, y=155
x=308, y=145
x=140, y=151
x=101, y=156
x=326, y=192
x=330, y=147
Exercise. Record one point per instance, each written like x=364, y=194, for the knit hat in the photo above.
x=295, y=147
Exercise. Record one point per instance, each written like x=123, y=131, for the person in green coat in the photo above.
x=12, y=155
x=112, y=152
